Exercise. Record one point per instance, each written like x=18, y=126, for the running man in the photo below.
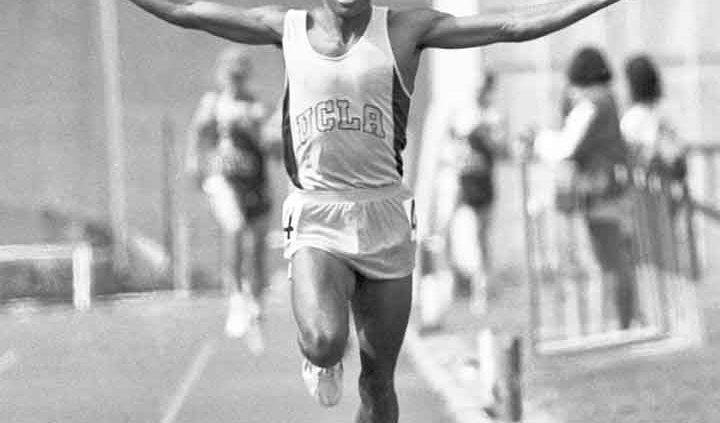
x=350, y=72
x=226, y=157
x=480, y=138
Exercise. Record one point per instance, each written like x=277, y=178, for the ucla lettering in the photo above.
x=346, y=122
x=304, y=124
x=324, y=112
x=335, y=115
x=373, y=121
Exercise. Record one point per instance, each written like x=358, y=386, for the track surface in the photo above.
x=163, y=359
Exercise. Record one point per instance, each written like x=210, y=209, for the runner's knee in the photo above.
x=323, y=347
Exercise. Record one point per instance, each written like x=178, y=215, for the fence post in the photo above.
x=709, y=197
x=168, y=193
x=509, y=385
x=695, y=272
x=175, y=228
x=82, y=263
x=501, y=358
x=114, y=116
x=532, y=282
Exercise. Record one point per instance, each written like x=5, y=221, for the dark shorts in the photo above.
x=477, y=189
x=254, y=197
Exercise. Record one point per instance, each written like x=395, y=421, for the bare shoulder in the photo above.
x=271, y=15
x=413, y=16
x=413, y=23
x=407, y=29
x=256, y=25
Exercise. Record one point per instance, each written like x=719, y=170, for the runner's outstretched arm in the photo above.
x=442, y=30
x=260, y=25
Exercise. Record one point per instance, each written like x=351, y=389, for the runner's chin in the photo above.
x=351, y=7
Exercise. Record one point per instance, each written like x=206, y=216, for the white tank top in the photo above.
x=344, y=117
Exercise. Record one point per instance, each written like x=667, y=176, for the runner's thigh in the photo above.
x=381, y=309
x=224, y=203
x=321, y=289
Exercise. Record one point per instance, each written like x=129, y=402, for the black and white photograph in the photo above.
x=361, y=211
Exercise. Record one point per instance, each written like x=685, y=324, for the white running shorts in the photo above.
x=372, y=230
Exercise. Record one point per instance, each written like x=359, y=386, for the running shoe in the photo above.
x=243, y=315
x=323, y=383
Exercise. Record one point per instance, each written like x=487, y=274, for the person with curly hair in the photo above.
x=597, y=158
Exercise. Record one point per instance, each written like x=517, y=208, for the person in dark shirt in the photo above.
x=593, y=147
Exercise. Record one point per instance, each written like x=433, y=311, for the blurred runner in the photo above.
x=227, y=159
x=479, y=135
x=350, y=70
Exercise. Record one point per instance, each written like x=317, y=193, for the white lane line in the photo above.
x=191, y=376
x=7, y=360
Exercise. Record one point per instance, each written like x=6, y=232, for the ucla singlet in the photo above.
x=344, y=117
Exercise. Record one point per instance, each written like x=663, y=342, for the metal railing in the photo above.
x=81, y=257
x=704, y=181
x=592, y=287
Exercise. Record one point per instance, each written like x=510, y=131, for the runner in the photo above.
x=480, y=135
x=226, y=157
x=350, y=72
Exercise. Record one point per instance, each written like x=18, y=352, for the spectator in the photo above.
x=646, y=128
x=658, y=149
x=596, y=152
